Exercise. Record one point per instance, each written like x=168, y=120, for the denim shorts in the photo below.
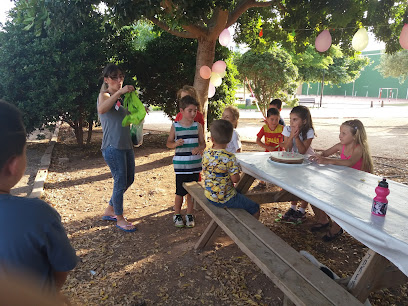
x=239, y=201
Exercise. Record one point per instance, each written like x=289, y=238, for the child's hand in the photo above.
x=318, y=159
x=179, y=142
x=197, y=151
x=272, y=148
x=294, y=132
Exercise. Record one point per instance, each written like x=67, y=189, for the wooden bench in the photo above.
x=307, y=101
x=301, y=282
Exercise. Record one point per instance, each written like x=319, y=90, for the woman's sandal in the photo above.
x=319, y=226
x=330, y=237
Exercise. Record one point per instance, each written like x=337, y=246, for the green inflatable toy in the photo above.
x=135, y=107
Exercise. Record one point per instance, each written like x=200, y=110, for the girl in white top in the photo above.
x=231, y=113
x=297, y=137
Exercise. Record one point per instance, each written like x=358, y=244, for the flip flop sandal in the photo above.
x=130, y=228
x=319, y=226
x=109, y=218
x=330, y=237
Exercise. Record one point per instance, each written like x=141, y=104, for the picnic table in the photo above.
x=346, y=194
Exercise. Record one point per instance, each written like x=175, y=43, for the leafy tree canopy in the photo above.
x=270, y=74
x=52, y=72
x=290, y=23
x=167, y=64
x=395, y=65
x=337, y=67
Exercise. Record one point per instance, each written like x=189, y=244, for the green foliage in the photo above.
x=54, y=76
x=270, y=74
x=394, y=65
x=295, y=24
x=167, y=64
x=337, y=67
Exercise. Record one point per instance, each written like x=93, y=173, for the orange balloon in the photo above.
x=205, y=72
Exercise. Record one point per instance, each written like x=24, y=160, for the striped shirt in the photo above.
x=184, y=161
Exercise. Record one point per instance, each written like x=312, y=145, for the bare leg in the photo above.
x=257, y=214
x=190, y=205
x=109, y=211
x=178, y=201
x=334, y=229
x=122, y=222
x=321, y=216
x=303, y=204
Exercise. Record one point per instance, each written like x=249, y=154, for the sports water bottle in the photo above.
x=380, y=202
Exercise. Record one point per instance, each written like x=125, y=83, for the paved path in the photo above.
x=387, y=127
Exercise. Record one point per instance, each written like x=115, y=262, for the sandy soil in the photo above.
x=157, y=265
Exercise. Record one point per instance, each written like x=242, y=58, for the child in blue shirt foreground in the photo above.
x=33, y=241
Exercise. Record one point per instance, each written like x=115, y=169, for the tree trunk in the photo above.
x=90, y=126
x=205, y=57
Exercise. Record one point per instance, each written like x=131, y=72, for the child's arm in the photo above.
x=201, y=142
x=304, y=145
x=235, y=178
x=265, y=146
x=332, y=150
x=60, y=278
x=171, y=143
x=106, y=101
x=355, y=157
x=320, y=157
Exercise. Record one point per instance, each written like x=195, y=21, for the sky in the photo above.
x=7, y=5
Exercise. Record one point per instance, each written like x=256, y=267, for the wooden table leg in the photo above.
x=369, y=274
x=210, y=233
x=244, y=183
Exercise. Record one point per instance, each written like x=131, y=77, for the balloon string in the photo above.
x=256, y=102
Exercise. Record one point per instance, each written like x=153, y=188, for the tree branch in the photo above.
x=220, y=24
x=244, y=6
x=191, y=32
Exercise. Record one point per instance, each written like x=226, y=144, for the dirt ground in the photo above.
x=157, y=265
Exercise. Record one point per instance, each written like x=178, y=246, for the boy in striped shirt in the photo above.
x=187, y=138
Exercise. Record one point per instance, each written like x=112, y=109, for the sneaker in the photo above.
x=288, y=214
x=298, y=216
x=178, y=221
x=190, y=221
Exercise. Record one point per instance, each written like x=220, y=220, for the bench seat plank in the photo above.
x=251, y=237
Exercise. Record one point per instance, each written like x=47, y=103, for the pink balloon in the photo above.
x=219, y=67
x=211, y=91
x=205, y=72
x=404, y=37
x=323, y=41
x=224, y=38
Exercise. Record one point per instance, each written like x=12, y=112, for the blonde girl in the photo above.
x=297, y=137
x=231, y=114
x=354, y=153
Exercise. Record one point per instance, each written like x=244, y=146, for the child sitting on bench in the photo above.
x=221, y=171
